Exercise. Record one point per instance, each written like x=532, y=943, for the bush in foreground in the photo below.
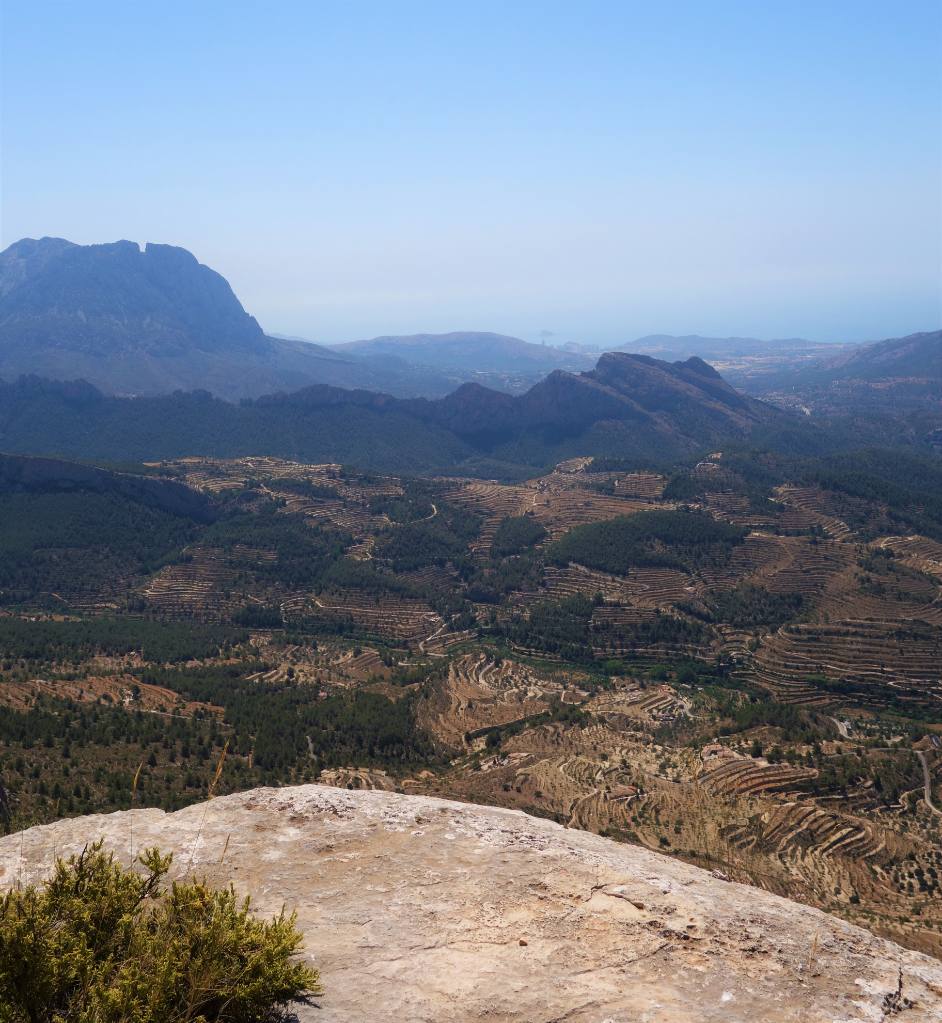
x=98, y=943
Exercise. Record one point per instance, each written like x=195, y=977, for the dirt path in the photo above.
x=434, y=635
x=927, y=780
x=579, y=800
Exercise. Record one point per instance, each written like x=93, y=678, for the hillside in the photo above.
x=153, y=320
x=69, y=529
x=628, y=406
x=750, y=684
x=421, y=909
x=894, y=386
x=913, y=356
x=27, y=475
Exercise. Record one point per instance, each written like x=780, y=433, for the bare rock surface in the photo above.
x=420, y=909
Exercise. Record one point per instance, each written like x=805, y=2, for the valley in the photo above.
x=734, y=660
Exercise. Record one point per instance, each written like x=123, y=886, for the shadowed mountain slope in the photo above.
x=23, y=474
x=627, y=406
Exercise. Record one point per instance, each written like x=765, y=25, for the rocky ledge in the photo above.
x=420, y=909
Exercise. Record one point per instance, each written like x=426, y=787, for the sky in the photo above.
x=593, y=170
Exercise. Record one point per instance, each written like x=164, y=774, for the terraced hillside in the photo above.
x=733, y=660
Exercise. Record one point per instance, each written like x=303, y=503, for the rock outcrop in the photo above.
x=420, y=909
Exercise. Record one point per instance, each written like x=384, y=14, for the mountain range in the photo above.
x=471, y=352
x=151, y=320
x=628, y=406
x=130, y=326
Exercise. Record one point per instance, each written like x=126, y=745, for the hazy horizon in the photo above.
x=602, y=174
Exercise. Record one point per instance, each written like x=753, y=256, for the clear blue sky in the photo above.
x=600, y=170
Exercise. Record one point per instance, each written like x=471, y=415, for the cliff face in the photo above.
x=419, y=909
x=114, y=298
x=154, y=320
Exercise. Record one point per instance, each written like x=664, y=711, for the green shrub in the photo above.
x=98, y=943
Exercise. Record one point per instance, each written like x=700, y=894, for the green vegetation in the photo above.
x=276, y=722
x=663, y=629
x=75, y=641
x=795, y=724
x=98, y=943
x=748, y=606
x=667, y=539
x=432, y=541
x=305, y=488
x=516, y=534
x=888, y=776
x=559, y=627
x=746, y=473
x=61, y=757
x=55, y=545
x=563, y=713
x=412, y=505
x=895, y=491
x=302, y=553
x=490, y=583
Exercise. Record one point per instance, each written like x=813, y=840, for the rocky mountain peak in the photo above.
x=117, y=298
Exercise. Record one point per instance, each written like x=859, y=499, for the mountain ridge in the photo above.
x=628, y=406
x=914, y=355
x=470, y=351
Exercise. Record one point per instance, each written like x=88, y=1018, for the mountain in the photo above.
x=748, y=363
x=633, y=400
x=470, y=352
x=892, y=386
x=424, y=909
x=628, y=406
x=112, y=299
x=155, y=320
x=914, y=357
